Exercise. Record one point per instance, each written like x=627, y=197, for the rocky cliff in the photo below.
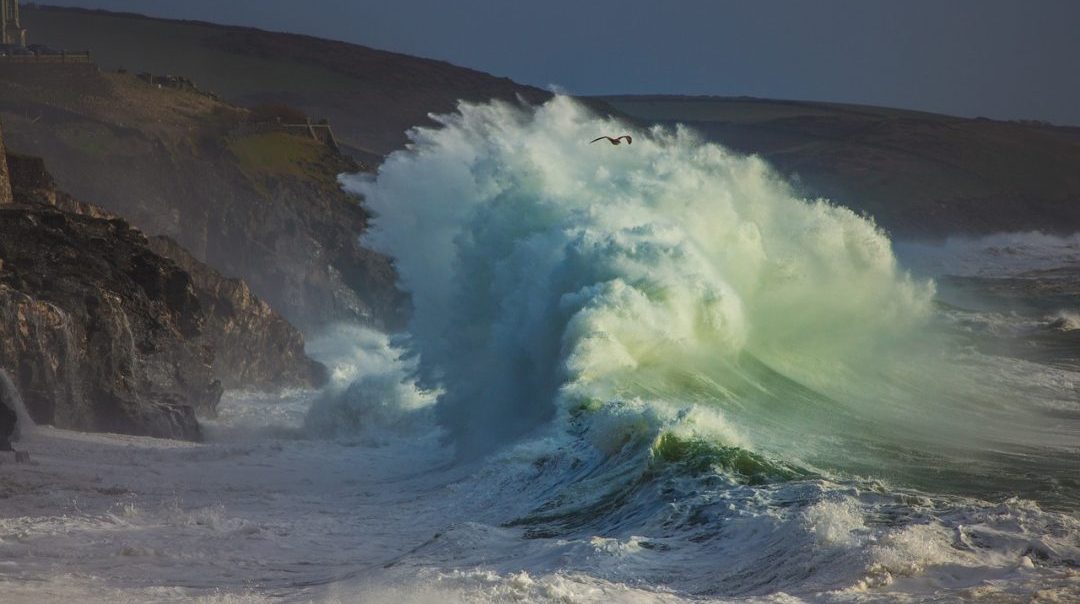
x=255, y=346
x=100, y=332
x=259, y=204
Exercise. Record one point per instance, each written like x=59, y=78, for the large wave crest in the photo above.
x=549, y=274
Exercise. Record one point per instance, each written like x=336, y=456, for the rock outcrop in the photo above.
x=255, y=346
x=100, y=332
x=263, y=206
x=9, y=416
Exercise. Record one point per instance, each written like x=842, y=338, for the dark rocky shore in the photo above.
x=100, y=329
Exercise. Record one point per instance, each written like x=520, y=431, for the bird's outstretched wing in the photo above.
x=599, y=139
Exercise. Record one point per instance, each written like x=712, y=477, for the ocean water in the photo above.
x=634, y=374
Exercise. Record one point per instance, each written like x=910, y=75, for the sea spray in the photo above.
x=547, y=273
x=370, y=388
x=625, y=313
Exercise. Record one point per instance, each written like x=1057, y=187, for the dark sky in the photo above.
x=997, y=58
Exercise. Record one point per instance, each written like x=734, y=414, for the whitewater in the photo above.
x=645, y=373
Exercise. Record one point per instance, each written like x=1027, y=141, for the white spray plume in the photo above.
x=546, y=270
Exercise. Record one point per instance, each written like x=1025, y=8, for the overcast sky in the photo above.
x=997, y=58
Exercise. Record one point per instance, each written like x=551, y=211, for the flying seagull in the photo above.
x=615, y=141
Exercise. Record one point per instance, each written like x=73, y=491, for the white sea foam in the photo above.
x=550, y=269
x=371, y=389
x=1065, y=320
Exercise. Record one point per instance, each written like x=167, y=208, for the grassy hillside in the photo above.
x=275, y=153
x=917, y=173
x=371, y=97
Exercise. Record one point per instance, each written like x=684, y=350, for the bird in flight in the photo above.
x=615, y=141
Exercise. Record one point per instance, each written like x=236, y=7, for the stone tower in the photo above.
x=11, y=30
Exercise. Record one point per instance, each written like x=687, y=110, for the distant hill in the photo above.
x=371, y=97
x=919, y=174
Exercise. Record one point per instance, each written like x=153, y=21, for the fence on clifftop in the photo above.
x=319, y=132
x=62, y=57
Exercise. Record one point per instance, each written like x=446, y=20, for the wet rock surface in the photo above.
x=100, y=333
x=102, y=329
x=238, y=323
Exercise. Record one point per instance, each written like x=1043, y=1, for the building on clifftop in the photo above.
x=11, y=29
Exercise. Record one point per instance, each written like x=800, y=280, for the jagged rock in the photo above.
x=100, y=332
x=238, y=323
x=9, y=417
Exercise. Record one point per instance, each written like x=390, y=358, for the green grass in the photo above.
x=275, y=154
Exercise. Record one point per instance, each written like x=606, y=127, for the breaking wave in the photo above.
x=670, y=286
x=639, y=334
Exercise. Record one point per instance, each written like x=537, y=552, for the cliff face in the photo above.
x=262, y=206
x=100, y=332
x=255, y=346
